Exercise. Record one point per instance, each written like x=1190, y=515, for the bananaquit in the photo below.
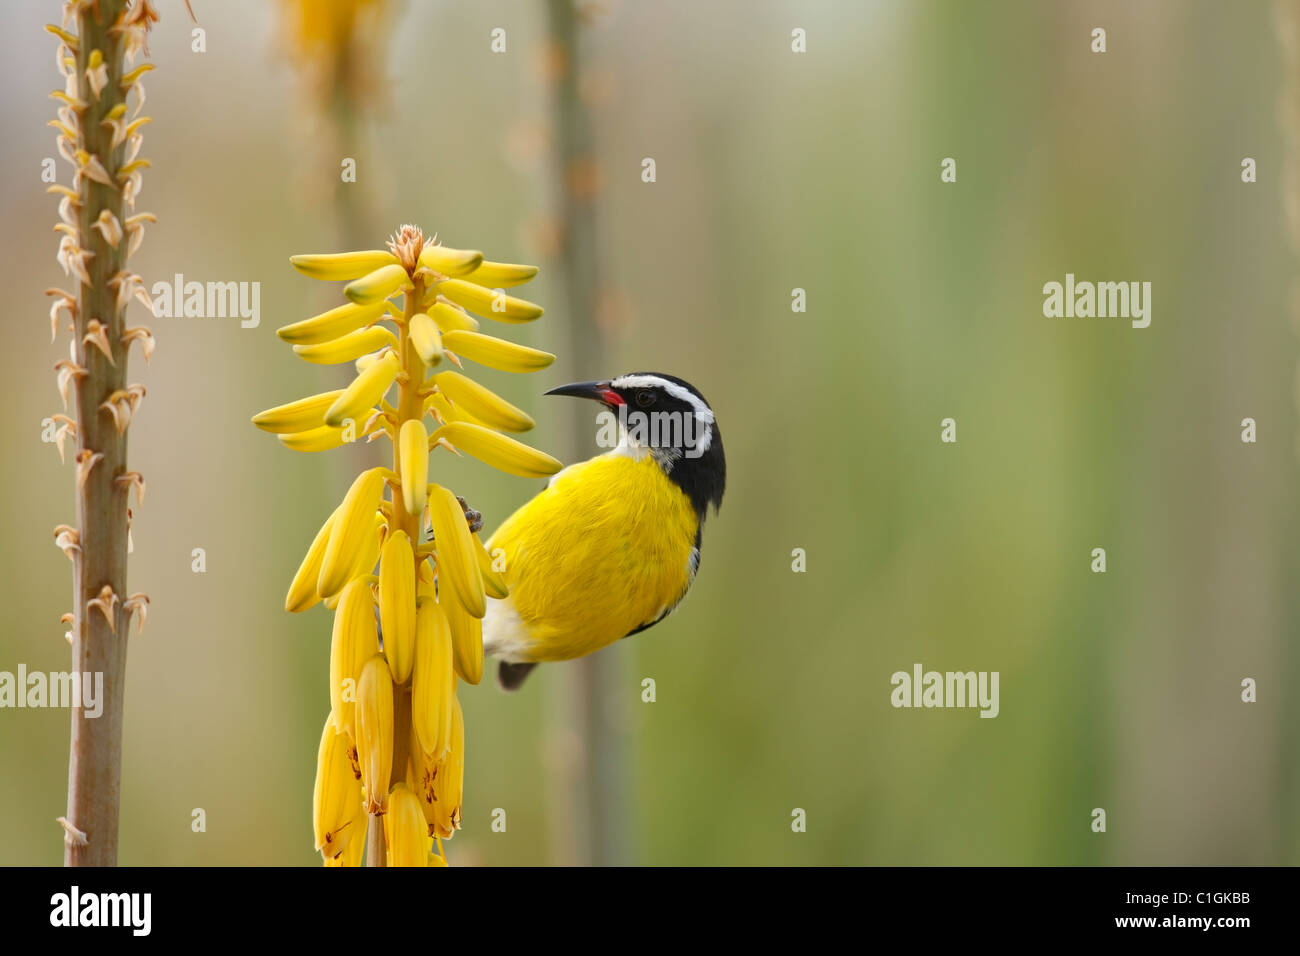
x=613, y=543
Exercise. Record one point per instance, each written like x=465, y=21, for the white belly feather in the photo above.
x=504, y=634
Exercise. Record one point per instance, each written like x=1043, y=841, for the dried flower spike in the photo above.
x=98, y=231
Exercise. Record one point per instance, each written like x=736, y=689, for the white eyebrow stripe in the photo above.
x=702, y=411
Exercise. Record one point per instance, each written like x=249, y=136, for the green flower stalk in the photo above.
x=407, y=612
x=100, y=136
x=338, y=49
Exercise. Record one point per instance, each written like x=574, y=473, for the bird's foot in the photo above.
x=473, y=518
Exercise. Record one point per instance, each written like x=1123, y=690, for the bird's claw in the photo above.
x=473, y=518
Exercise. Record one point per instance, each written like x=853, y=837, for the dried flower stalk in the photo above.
x=100, y=137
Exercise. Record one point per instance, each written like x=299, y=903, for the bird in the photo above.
x=612, y=544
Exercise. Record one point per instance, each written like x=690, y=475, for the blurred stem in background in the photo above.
x=102, y=140
x=1286, y=20
x=338, y=46
x=588, y=760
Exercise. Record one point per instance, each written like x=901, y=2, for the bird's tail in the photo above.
x=511, y=676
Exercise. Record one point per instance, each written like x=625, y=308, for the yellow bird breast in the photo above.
x=606, y=549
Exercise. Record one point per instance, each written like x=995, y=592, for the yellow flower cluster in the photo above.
x=393, y=747
x=330, y=40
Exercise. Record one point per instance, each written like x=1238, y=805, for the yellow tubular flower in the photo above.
x=299, y=416
x=343, y=265
x=466, y=641
x=405, y=830
x=365, y=645
x=422, y=770
x=451, y=319
x=353, y=523
x=336, y=793
x=448, y=784
x=496, y=353
x=501, y=275
x=451, y=262
x=354, y=628
x=488, y=303
x=323, y=438
x=493, y=583
x=363, y=565
x=375, y=731
x=443, y=411
x=355, y=851
x=377, y=286
x=456, y=560
x=433, y=685
x=413, y=452
x=302, y=591
x=347, y=347
x=130, y=79
x=405, y=307
x=397, y=604
x=366, y=389
x=426, y=338
x=500, y=451
x=332, y=324
x=482, y=403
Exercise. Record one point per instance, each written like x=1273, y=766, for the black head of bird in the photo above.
x=667, y=418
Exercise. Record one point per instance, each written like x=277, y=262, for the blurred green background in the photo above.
x=775, y=170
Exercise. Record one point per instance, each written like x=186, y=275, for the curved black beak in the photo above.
x=600, y=391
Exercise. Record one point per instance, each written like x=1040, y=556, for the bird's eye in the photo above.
x=645, y=399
